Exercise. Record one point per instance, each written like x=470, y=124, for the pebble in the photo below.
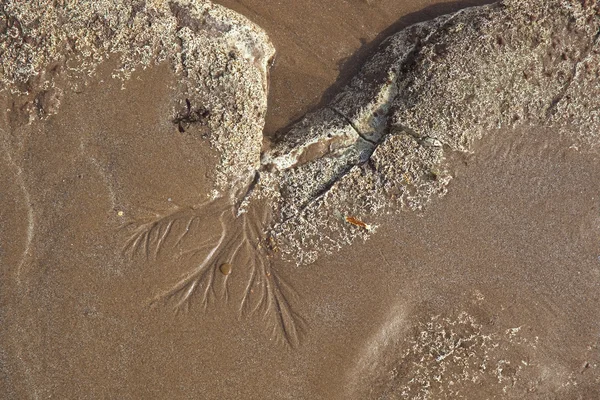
x=225, y=268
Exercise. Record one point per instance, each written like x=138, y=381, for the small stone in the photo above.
x=225, y=268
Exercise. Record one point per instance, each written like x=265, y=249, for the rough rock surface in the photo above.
x=431, y=89
x=48, y=47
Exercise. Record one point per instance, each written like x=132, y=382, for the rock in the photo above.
x=438, y=87
x=221, y=56
x=494, y=66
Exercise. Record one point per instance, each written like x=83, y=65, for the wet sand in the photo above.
x=494, y=287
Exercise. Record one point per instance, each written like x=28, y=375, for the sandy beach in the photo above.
x=168, y=228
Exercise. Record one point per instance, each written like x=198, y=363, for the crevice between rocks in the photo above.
x=349, y=121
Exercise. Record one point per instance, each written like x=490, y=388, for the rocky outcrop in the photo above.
x=431, y=89
x=378, y=146
x=51, y=47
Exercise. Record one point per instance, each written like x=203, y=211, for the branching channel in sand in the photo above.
x=240, y=242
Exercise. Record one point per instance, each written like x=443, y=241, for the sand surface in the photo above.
x=490, y=292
